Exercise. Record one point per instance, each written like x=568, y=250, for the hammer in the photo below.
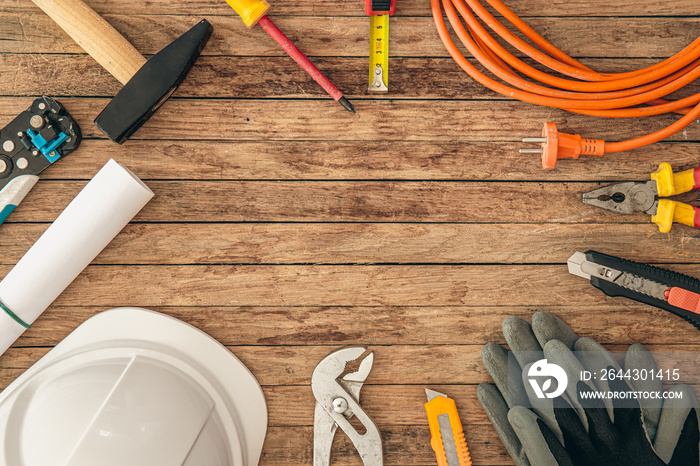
x=147, y=84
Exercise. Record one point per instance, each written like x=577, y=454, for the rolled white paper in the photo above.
x=97, y=214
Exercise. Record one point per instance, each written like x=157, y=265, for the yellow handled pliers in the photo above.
x=630, y=197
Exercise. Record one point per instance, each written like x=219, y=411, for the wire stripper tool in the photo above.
x=379, y=12
x=630, y=197
x=446, y=433
x=31, y=142
x=337, y=400
x=671, y=291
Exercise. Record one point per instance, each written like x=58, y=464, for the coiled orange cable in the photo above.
x=611, y=95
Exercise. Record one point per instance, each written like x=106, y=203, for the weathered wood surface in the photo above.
x=403, y=445
x=406, y=8
x=346, y=201
x=615, y=321
x=280, y=77
x=402, y=364
x=376, y=120
x=285, y=227
x=347, y=36
x=361, y=160
x=333, y=285
x=349, y=201
x=373, y=243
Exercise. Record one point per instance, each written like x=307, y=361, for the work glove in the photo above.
x=569, y=431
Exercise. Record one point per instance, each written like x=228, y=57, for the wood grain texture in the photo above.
x=347, y=36
x=615, y=321
x=403, y=445
x=333, y=285
x=374, y=243
x=349, y=201
x=359, y=160
x=376, y=120
x=393, y=364
x=405, y=8
x=270, y=77
x=286, y=228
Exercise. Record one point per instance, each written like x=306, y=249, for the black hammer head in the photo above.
x=152, y=84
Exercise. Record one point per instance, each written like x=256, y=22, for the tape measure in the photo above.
x=379, y=12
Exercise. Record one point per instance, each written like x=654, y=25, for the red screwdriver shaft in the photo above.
x=303, y=61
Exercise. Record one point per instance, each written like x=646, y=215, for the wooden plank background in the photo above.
x=285, y=227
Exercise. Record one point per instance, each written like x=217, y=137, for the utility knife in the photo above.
x=665, y=289
x=35, y=139
x=446, y=432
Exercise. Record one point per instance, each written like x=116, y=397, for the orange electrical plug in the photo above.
x=556, y=145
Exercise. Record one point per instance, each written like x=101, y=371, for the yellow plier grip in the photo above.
x=670, y=184
x=670, y=212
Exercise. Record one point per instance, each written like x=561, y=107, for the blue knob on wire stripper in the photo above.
x=30, y=143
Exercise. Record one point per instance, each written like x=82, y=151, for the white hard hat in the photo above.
x=134, y=387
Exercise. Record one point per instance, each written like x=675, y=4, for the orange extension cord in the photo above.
x=611, y=95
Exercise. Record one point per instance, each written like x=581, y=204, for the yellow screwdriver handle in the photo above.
x=670, y=184
x=670, y=212
x=434, y=408
x=250, y=11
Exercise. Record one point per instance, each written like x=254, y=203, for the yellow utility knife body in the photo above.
x=446, y=433
x=379, y=12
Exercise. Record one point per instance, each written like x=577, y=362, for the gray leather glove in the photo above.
x=568, y=431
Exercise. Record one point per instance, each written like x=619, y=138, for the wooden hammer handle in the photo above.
x=95, y=35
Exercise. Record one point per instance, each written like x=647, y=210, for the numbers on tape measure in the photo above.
x=378, y=53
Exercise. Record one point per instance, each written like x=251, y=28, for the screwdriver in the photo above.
x=252, y=12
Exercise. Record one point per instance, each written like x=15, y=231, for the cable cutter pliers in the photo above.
x=337, y=400
x=630, y=197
